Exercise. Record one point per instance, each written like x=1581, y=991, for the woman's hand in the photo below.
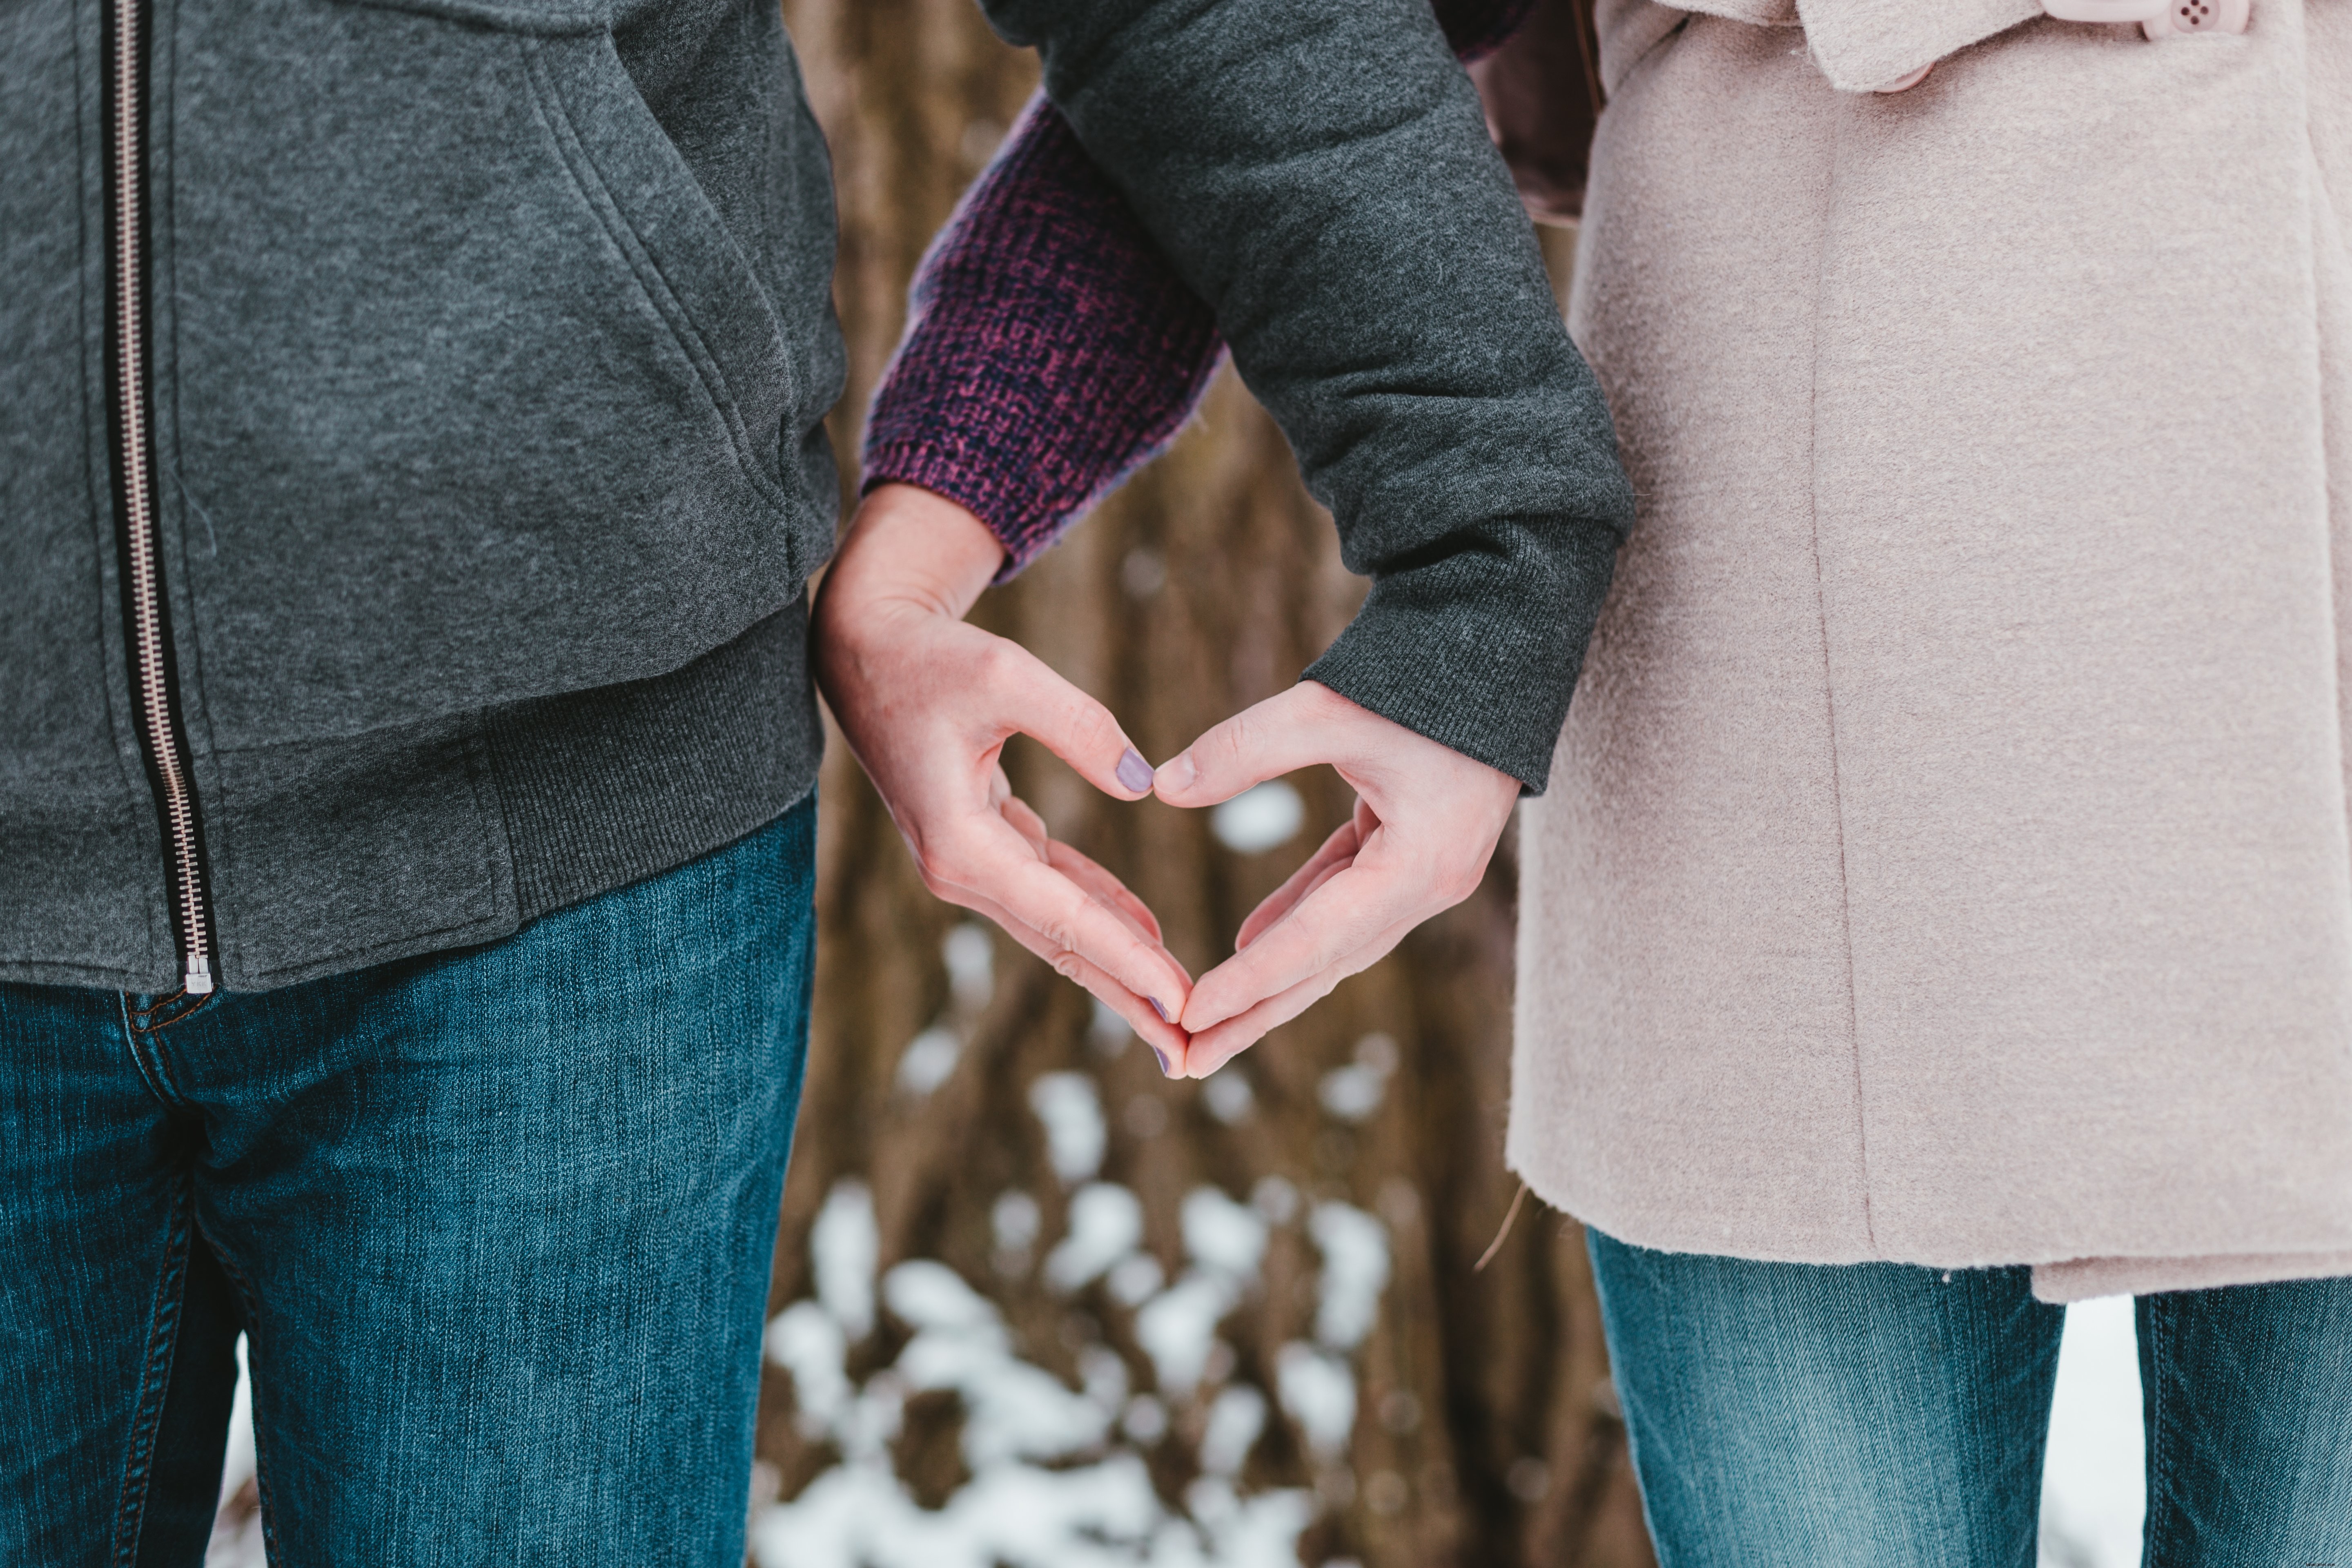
x=1425, y=824
x=927, y=702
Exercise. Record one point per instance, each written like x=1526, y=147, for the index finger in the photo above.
x=1065, y=916
x=1167, y=1042
x=1351, y=909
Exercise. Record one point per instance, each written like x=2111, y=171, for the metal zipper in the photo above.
x=147, y=632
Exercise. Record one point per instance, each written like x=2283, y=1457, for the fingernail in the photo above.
x=1133, y=771
x=1159, y=1009
x=1178, y=771
x=1166, y=1068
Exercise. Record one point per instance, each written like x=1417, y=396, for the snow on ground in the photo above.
x=970, y=953
x=236, y=1527
x=842, y=1245
x=1355, y=1249
x=1055, y=1480
x=928, y=1060
x=1228, y=1095
x=2093, y=1489
x=1106, y=1225
x=1071, y=1108
x=1258, y=818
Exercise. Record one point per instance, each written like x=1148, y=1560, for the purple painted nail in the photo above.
x=1166, y=1069
x=1133, y=771
x=1159, y=1009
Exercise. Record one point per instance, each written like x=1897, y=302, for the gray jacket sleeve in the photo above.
x=1320, y=172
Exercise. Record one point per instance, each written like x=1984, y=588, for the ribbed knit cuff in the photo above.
x=1479, y=651
x=1051, y=349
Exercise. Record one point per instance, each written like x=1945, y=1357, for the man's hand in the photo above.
x=928, y=703
x=1425, y=824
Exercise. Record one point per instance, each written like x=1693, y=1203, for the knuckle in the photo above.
x=1091, y=723
x=993, y=662
x=1456, y=883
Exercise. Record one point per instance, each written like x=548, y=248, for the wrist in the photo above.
x=912, y=546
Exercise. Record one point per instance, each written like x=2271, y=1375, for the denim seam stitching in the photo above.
x=132, y=1037
x=2157, y=1449
x=252, y=1362
x=154, y=1380
x=150, y=1021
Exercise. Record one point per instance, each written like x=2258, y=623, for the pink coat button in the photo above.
x=2159, y=18
x=2199, y=17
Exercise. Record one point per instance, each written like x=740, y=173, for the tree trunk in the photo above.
x=1352, y=1158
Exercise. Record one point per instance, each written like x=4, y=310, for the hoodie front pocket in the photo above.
x=691, y=268
x=474, y=397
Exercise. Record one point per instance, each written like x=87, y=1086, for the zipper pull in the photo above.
x=200, y=977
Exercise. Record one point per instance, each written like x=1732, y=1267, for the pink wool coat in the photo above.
x=1946, y=858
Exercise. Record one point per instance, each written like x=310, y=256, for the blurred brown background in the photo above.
x=953, y=1079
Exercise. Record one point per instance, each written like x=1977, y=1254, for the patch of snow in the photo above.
x=1222, y=1236
x=842, y=1243
x=1236, y=1418
x=1275, y=1198
x=1103, y=1375
x=1145, y=1419
x=928, y=1060
x=1055, y=1477
x=1355, y=1248
x=1106, y=1031
x=1142, y=573
x=1318, y=1392
x=1014, y=1410
x=237, y=1463
x=924, y=1294
x=1227, y=1095
x=1175, y=1328
x=1352, y=1093
x=2094, y=1482
x=1261, y=1529
x=1105, y=1224
x=1136, y=1279
x=1048, y=1490
x=236, y=1540
x=970, y=953
x=1258, y=818
x=805, y=1340
x=1093, y=1516
x=1015, y=1222
x=1071, y=1109
x=1225, y=1241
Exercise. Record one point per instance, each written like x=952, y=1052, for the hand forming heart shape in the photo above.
x=927, y=702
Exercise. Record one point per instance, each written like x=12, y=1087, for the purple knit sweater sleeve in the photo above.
x=1050, y=350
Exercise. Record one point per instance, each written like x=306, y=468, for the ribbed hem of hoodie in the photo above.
x=602, y=788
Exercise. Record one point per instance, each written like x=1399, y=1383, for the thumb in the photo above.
x=1034, y=699
x=1292, y=730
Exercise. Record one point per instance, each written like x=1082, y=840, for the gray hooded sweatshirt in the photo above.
x=411, y=457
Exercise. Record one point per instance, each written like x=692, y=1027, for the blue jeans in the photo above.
x=1880, y=1416
x=497, y=1222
